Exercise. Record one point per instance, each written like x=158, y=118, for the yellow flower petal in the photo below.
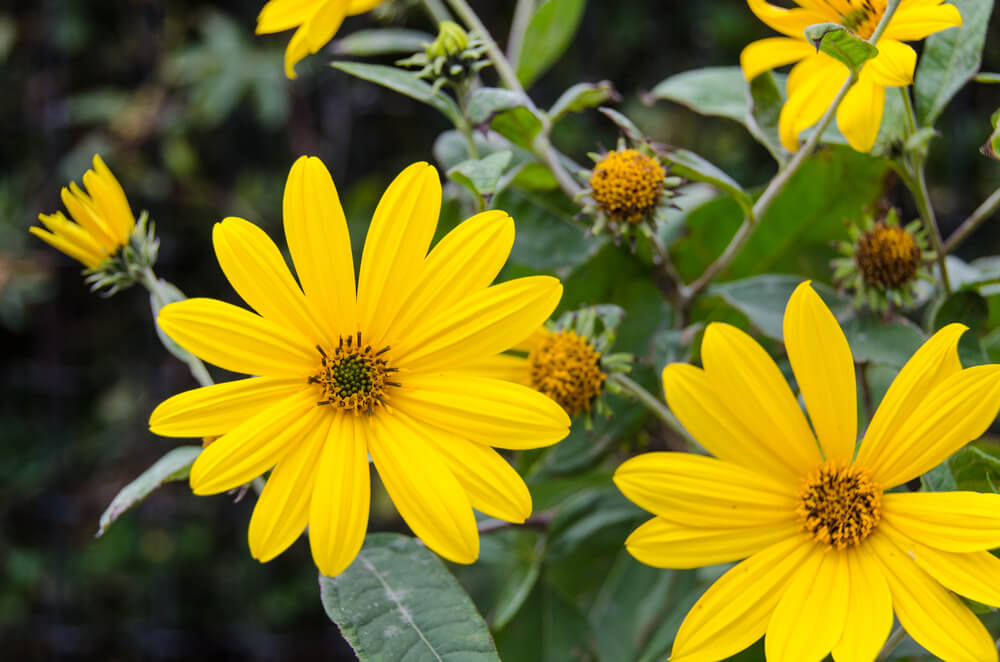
x=238, y=340
x=463, y=263
x=735, y=610
x=282, y=511
x=869, y=611
x=486, y=411
x=790, y=22
x=809, y=618
x=749, y=382
x=935, y=361
x=256, y=445
x=83, y=212
x=338, y=515
x=396, y=245
x=934, y=617
x=501, y=366
x=485, y=323
x=113, y=196
x=73, y=233
x=108, y=207
x=824, y=370
x=314, y=33
x=859, y=115
x=665, y=544
x=82, y=254
x=918, y=22
x=766, y=54
x=957, y=411
x=813, y=84
x=281, y=15
x=894, y=64
x=424, y=490
x=693, y=399
x=316, y=232
x=951, y=521
x=214, y=410
x=356, y=7
x=258, y=273
x=701, y=491
x=976, y=575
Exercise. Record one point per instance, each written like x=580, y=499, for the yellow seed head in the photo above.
x=627, y=184
x=887, y=256
x=839, y=506
x=567, y=368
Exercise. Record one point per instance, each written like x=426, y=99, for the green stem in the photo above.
x=653, y=404
x=158, y=289
x=983, y=212
x=438, y=12
x=523, y=12
x=891, y=643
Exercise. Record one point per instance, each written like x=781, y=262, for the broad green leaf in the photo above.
x=549, y=34
x=404, y=82
x=581, y=97
x=763, y=299
x=965, y=306
x=531, y=176
x=976, y=467
x=548, y=627
x=992, y=146
x=715, y=91
x=547, y=237
x=949, y=59
x=480, y=176
x=175, y=465
x=873, y=340
x=691, y=166
x=939, y=479
x=841, y=44
x=379, y=41
x=486, y=102
x=767, y=96
x=518, y=125
x=397, y=601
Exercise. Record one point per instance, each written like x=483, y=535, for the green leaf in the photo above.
x=518, y=125
x=175, y=465
x=486, y=102
x=626, y=125
x=581, y=97
x=713, y=91
x=585, y=514
x=531, y=176
x=548, y=627
x=975, y=469
x=992, y=146
x=841, y=44
x=949, y=59
x=380, y=41
x=767, y=96
x=518, y=586
x=480, y=176
x=966, y=307
x=763, y=299
x=939, y=479
x=691, y=166
x=547, y=238
x=397, y=601
x=403, y=82
x=873, y=340
x=547, y=37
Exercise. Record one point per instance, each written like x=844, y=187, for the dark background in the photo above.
x=193, y=114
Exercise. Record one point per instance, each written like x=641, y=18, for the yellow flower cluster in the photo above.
x=627, y=184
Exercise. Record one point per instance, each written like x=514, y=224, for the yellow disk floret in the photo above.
x=353, y=376
x=839, y=506
x=627, y=184
x=565, y=367
x=888, y=256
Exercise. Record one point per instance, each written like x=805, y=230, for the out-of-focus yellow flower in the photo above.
x=817, y=78
x=103, y=219
x=316, y=21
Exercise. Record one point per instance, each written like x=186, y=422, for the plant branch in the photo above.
x=438, y=12
x=653, y=404
x=891, y=643
x=523, y=12
x=540, y=521
x=976, y=218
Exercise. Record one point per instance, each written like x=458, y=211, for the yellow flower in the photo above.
x=104, y=220
x=817, y=78
x=347, y=373
x=627, y=184
x=316, y=21
x=830, y=553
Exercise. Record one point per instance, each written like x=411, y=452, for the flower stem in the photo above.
x=163, y=293
x=891, y=643
x=523, y=12
x=438, y=12
x=983, y=212
x=653, y=404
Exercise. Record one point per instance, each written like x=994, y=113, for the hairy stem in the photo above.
x=158, y=289
x=976, y=218
x=653, y=404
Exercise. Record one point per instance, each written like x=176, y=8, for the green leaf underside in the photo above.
x=175, y=465
x=380, y=41
x=841, y=44
x=691, y=166
x=481, y=176
x=403, y=82
x=397, y=601
x=581, y=97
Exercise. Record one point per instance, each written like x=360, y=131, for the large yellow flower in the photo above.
x=816, y=79
x=104, y=220
x=316, y=21
x=347, y=373
x=830, y=553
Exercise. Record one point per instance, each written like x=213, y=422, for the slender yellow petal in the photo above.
x=957, y=411
x=704, y=492
x=108, y=207
x=935, y=361
x=665, y=544
x=869, y=611
x=809, y=618
x=914, y=24
x=976, y=575
x=316, y=232
x=114, y=196
x=708, y=418
x=824, y=370
x=750, y=383
x=214, y=410
x=735, y=610
x=485, y=323
x=282, y=511
x=83, y=212
x=424, y=490
x=766, y=54
x=950, y=521
x=238, y=340
x=487, y=411
x=813, y=84
x=396, y=245
x=256, y=445
x=361, y=6
x=501, y=366
x=74, y=233
x=934, y=617
x=860, y=113
x=790, y=22
x=281, y=15
x=257, y=271
x=894, y=64
x=464, y=262
x=81, y=254
x=314, y=33
x=338, y=514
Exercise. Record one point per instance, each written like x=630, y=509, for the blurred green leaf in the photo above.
x=547, y=238
x=949, y=59
x=380, y=41
x=992, y=146
x=518, y=125
x=403, y=82
x=8, y=35
x=767, y=96
x=480, y=176
x=397, y=600
x=873, y=340
x=939, y=479
x=585, y=514
x=965, y=306
x=175, y=465
x=976, y=469
x=714, y=91
x=518, y=586
x=548, y=628
x=841, y=44
x=581, y=97
x=549, y=34
x=691, y=166
x=486, y=102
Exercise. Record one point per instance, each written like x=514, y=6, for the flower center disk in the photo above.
x=864, y=17
x=887, y=256
x=567, y=368
x=627, y=184
x=353, y=376
x=839, y=506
